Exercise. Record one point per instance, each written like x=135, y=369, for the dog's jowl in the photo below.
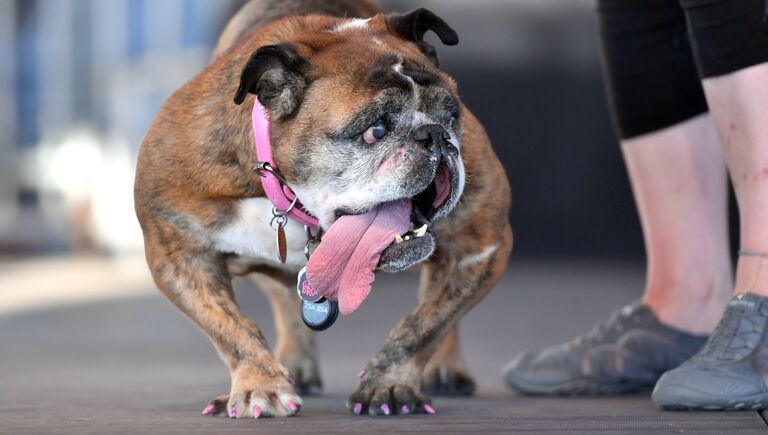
x=372, y=139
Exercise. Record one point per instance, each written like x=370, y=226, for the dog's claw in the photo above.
x=256, y=411
x=208, y=410
x=387, y=399
x=361, y=374
x=233, y=413
x=429, y=408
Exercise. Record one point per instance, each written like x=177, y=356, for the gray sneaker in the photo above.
x=731, y=371
x=627, y=353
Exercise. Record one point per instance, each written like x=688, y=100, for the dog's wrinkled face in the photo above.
x=362, y=116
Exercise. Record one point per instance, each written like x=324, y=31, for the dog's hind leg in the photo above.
x=446, y=374
x=296, y=347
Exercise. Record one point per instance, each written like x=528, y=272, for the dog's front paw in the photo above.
x=385, y=395
x=257, y=392
x=447, y=380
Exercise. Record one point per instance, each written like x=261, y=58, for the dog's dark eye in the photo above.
x=375, y=132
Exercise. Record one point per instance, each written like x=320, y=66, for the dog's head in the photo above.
x=361, y=115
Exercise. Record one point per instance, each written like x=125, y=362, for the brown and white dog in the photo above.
x=343, y=96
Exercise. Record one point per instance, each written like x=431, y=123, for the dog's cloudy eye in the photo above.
x=375, y=132
x=452, y=123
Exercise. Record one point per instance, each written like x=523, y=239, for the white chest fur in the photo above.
x=249, y=235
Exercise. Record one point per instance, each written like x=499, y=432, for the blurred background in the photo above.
x=82, y=80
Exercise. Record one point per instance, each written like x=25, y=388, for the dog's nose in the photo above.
x=434, y=137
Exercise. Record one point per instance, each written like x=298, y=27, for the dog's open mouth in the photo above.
x=427, y=203
x=418, y=244
x=391, y=237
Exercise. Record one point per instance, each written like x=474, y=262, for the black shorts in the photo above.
x=655, y=53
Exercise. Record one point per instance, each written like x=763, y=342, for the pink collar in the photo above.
x=277, y=191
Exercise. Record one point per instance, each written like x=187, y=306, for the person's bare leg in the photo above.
x=679, y=182
x=729, y=371
x=739, y=106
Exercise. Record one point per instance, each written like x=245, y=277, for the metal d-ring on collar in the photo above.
x=265, y=166
x=260, y=167
x=281, y=216
x=290, y=208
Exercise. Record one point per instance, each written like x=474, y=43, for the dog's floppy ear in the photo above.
x=276, y=74
x=413, y=25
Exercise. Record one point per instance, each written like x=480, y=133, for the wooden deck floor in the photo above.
x=135, y=365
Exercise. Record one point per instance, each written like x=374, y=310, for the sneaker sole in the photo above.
x=578, y=387
x=683, y=398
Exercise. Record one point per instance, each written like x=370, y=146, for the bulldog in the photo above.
x=371, y=139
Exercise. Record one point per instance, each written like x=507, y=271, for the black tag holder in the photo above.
x=317, y=312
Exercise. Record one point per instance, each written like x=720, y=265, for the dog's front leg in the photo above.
x=200, y=286
x=391, y=383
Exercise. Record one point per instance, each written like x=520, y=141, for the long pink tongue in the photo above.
x=343, y=266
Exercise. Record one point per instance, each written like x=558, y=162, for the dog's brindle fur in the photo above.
x=195, y=165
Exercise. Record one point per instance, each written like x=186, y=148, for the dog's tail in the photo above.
x=258, y=13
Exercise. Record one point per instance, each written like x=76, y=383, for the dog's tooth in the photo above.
x=398, y=239
x=407, y=237
x=421, y=231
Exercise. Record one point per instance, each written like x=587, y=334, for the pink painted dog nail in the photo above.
x=256, y=411
x=404, y=410
x=233, y=413
x=291, y=405
x=358, y=408
x=429, y=408
x=385, y=409
x=361, y=374
x=208, y=410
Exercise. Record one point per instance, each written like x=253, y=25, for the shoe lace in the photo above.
x=738, y=334
x=615, y=325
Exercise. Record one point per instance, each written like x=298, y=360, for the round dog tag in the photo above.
x=304, y=288
x=319, y=316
